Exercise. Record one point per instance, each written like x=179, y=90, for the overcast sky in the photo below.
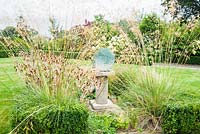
x=71, y=12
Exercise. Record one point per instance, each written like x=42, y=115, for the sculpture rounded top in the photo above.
x=104, y=59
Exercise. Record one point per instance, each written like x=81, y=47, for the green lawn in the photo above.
x=10, y=85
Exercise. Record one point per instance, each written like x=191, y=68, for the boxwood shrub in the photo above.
x=3, y=53
x=181, y=118
x=39, y=114
x=195, y=60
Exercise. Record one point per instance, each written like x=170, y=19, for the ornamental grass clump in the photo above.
x=55, y=88
x=46, y=72
x=54, y=74
x=146, y=90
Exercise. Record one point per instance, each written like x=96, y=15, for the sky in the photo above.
x=71, y=12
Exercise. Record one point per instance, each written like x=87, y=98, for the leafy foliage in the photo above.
x=39, y=113
x=106, y=123
x=3, y=52
x=184, y=39
x=7, y=43
x=181, y=118
x=195, y=60
x=150, y=24
x=170, y=42
x=183, y=9
x=103, y=34
x=9, y=31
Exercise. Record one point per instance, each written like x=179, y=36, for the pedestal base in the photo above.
x=109, y=107
x=96, y=106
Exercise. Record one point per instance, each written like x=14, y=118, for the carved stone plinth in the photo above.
x=101, y=101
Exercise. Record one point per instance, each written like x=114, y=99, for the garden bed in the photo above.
x=9, y=77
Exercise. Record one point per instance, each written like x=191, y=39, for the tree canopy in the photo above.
x=183, y=9
x=9, y=31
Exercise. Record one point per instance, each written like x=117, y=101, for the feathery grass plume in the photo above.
x=55, y=74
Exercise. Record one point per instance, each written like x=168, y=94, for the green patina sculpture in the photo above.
x=104, y=59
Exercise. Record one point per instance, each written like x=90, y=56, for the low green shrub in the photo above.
x=181, y=118
x=3, y=52
x=36, y=113
x=10, y=32
x=106, y=123
x=194, y=60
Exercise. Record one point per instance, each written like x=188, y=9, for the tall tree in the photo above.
x=9, y=31
x=182, y=9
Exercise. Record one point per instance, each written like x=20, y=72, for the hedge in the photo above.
x=73, y=120
x=195, y=60
x=34, y=114
x=181, y=118
x=3, y=54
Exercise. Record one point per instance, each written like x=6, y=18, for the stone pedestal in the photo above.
x=102, y=90
x=101, y=101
